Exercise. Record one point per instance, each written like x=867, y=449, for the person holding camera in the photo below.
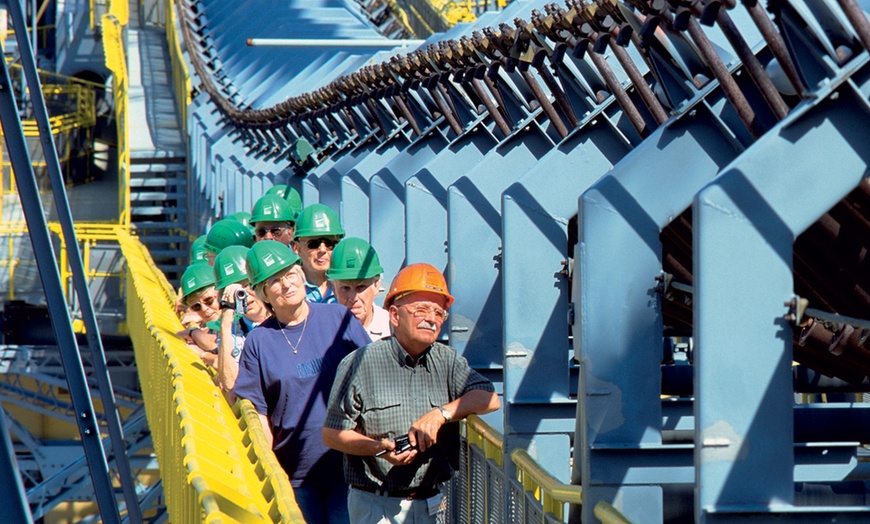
x=393, y=404
x=241, y=311
x=287, y=368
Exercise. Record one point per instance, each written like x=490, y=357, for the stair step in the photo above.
x=143, y=167
x=156, y=156
x=156, y=182
x=158, y=196
x=153, y=211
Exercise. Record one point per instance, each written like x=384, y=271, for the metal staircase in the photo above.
x=158, y=189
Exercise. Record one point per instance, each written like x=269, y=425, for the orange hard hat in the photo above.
x=418, y=277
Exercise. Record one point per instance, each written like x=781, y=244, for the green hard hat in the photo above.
x=318, y=220
x=243, y=217
x=272, y=208
x=198, y=252
x=267, y=258
x=228, y=232
x=294, y=198
x=353, y=259
x=277, y=189
x=195, y=278
x=229, y=266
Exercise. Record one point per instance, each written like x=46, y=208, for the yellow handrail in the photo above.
x=180, y=74
x=214, y=461
x=546, y=488
x=116, y=61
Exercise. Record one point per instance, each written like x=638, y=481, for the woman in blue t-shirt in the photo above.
x=287, y=369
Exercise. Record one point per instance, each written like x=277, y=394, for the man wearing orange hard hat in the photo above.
x=394, y=404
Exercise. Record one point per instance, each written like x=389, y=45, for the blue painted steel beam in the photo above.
x=59, y=313
x=475, y=248
x=15, y=507
x=745, y=223
x=387, y=201
x=619, y=322
x=536, y=211
x=426, y=198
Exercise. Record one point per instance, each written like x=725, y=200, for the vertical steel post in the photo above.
x=80, y=283
x=57, y=307
x=745, y=224
x=14, y=508
x=619, y=318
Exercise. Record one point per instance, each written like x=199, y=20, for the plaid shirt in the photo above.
x=380, y=392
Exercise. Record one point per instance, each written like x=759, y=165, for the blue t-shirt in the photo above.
x=293, y=389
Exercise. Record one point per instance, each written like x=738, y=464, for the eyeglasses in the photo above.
x=276, y=231
x=290, y=278
x=205, y=302
x=421, y=311
x=314, y=243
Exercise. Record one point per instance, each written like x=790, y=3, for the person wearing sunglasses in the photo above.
x=355, y=275
x=273, y=218
x=406, y=386
x=286, y=370
x=199, y=296
x=318, y=230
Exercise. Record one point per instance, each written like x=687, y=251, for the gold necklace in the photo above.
x=304, y=324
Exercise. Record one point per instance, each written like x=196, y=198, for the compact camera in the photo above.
x=241, y=303
x=403, y=444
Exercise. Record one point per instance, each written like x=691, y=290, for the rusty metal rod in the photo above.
x=646, y=94
x=399, y=99
x=558, y=94
x=776, y=44
x=858, y=20
x=729, y=86
x=445, y=110
x=615, y=87
x=544, y=100
x=753, y=66
x=491, y=108
x=490, y=82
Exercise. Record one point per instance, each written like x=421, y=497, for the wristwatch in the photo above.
x=446, y=414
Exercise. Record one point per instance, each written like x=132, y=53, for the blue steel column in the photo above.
x=355, y=188
x=536, y=211
x=57, y=307
x=745, y=224
x=95, y=343
x=387, y=202
x=619, y=321
x=474, y=246
x=426, y=197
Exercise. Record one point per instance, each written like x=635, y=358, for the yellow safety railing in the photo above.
x=180, y=74
x=214, y=461
x=552, y=494
x=72, y=116
x=121, y=11
x=116, y=61
x=90, y=236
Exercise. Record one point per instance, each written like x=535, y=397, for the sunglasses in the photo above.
x=276, y=231
x=314, y=243
x=207, y=302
